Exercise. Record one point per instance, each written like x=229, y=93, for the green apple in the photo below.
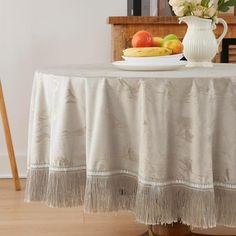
x=169, y=37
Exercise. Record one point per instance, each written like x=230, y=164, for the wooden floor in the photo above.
x=35, y=219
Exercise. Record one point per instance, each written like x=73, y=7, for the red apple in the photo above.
x=142, y=39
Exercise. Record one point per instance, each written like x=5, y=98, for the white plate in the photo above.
x=123, y=65
x=148, y=60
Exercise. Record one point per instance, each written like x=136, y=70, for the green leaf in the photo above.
x=205, y=3
x=231, y=3
x=221, y=2
x=223, y=8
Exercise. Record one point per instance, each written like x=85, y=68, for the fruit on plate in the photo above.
x=145, y=45
x=157, y=41
x=175, y=45
x=142, y=39
x=147, y=52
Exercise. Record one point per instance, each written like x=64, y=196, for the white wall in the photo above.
x=39, y=33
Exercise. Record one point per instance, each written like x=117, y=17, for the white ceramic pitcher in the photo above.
x=200, y=43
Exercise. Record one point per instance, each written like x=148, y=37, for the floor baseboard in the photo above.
x=9, y=176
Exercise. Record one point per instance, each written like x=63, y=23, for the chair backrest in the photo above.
x=228, y=53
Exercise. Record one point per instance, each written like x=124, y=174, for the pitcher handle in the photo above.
x=223, y=22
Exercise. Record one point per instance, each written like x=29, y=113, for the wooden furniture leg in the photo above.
x=8, y=139
x=176, y=229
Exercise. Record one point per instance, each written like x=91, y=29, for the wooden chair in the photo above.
x=8, y=139
x=227, y=53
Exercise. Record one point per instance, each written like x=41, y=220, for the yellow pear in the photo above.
x=175, y=45
x=157, y=41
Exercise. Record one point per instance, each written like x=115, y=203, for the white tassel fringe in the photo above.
x=152, y=205
x=56, y=188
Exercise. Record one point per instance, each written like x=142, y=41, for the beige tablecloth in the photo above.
x=161, y=144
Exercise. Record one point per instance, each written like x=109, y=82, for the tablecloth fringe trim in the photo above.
x=165, y=205
x=56, y=168
x=141, y=179
x=57, y=189
x=110, y=194
x=144, y=181
x=151, y=204
x=154, y=205
x=225, y=201
x=36, y=185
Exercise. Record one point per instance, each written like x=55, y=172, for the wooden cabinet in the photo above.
x=124, y=27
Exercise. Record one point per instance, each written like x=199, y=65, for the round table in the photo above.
x=160, y=144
